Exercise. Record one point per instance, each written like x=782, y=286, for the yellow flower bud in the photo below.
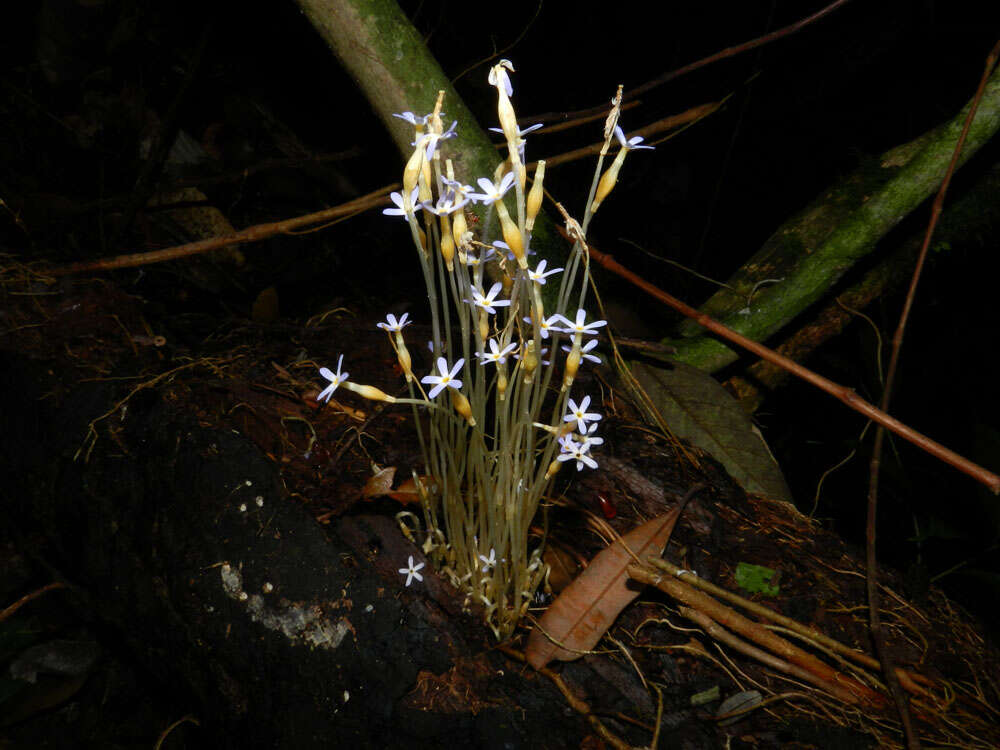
x=369, y=392
x=462, y=406
x=484, y=325
x=535, y=195
x=501, y=382
x=529, y=361
x=425, y=183
x=511, y=234
x=553, y=468
x=572, y=364
x=608, y=180
x=447, y=244
x=412, y=171
x=403, y=354
x=508, y=122
x=459, y=227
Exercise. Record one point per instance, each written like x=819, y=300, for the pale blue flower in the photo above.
x=578, y=326
x=446, y=379
x=570, y=450
x=488, y=302
x=393, y=325
x=410, y=571
x=447, y=204
x=546, y=325
x=580, y=415
x=430, y=140
x=397, y=198
x=492, y=192
x=539, y=274
x=335, y=379
x=631, y=143
x=496, y=356
x=413, y=119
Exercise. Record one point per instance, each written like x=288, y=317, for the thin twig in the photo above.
x=29, y=597
x=909, y=678
x=577, y=704
x=691, y=67
x=874, y=617
x=841, y=686
x=253, y=233
x=840, y=392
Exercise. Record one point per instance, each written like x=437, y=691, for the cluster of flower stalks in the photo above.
x=500, y=413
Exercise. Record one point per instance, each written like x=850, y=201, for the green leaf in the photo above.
x=755, y=579
x=699, y=410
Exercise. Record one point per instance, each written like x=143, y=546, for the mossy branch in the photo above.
x=387, y=58
x=815, y=249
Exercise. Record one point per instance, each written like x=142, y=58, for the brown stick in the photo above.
x=871, y=562
x=908, y=679
x=842, y=393
x=846, y=689
x=578, y=704
x=691, y=67
x=719, y=633
x=250, y=234
x=29, y=597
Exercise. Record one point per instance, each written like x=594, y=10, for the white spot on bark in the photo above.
x=299, y=622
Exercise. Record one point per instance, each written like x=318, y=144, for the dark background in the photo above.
x=78, y=84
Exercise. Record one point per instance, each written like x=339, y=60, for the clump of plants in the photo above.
x=501, y=413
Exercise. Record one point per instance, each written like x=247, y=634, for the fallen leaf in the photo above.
x=380, y=484
x=408, y=491
x=562, y=567
x=737, y=703
x=586, y=609
x=701, y=411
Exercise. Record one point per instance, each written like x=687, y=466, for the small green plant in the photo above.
x=501, y=421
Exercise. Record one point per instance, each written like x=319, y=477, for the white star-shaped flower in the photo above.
x=410, y=571
x=504, y=248
x=578, y=326
x=496, y=355
x=395, y=326
x=430, y=141
x=580, y=415
x=588, y=438
x=489, y=562
x=448, y=203
x=488, y=302
x=539, y=274
x=413, y=119
x=485, y=254
x=397, y=199
x=446, y=379
x=547, y=324
x=570, y=450
x=492, y=192
x=631, y=143
x=335, y=379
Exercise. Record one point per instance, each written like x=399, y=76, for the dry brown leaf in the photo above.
x=380, y=484
x=583, y=612
x=408, y=492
